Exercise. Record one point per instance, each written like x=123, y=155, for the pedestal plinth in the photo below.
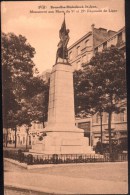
x=63, y=137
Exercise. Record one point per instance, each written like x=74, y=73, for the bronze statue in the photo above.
x=62, y=51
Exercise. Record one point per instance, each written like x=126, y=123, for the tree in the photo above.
x=82, y=94
x=18, y=80
x=40, y=105
x=107, y=83
x=86, y=97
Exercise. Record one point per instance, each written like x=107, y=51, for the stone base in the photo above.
x=62, y=143
x=63, y=137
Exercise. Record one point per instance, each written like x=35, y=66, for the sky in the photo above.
x=42, y=29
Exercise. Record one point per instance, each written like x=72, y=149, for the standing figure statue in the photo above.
x=62, y=51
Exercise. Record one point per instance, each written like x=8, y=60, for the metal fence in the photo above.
x=32, y=159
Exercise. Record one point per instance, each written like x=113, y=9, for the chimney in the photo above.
x=111, y=33
x=103, y=30
x=92, y=26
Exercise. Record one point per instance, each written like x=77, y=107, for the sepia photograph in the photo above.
x=64, y=97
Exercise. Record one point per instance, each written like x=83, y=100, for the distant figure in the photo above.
x=62, y=51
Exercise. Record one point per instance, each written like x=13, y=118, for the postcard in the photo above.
x=64, y=97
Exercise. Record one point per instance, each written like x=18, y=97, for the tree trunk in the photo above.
x=101, y=126
x=43, y=124
x=27, y=139
x=43, y=121
x=6, y=140
x=15, y=129
x=101, y=129
x=109, y=129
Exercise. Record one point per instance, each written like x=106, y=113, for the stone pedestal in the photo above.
x=63, y=137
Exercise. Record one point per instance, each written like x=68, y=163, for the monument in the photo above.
x=62, y=136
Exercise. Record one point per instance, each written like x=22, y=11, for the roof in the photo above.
x=107, y=39
x=82, y=38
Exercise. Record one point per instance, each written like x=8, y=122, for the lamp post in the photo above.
x=101, y=115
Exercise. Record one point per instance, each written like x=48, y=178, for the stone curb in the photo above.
x=34, y=189
x=29, y=167
x=16, y=162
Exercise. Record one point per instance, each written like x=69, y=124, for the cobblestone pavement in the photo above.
x=100, y=178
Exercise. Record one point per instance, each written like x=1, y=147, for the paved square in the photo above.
x=94, y=178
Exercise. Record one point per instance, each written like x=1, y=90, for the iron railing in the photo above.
x=32, y=159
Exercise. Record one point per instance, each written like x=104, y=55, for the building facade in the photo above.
x=80, y=53
x=118, y=39
x=83, y=49
x=24, y=135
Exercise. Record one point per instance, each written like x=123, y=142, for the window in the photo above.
x=41, y=126
x=18, y=128
x=119, y=40
x=23, y=140
x=89, y=57
x=115, y=117
x=105, y=117
x=97, y=118
x=84, y=59
x=18, y=141
x=105, y=45
x=122, y=117
x=70, y=55
x=78, y=65
x=38, y=126
x=78, y=50
x=29, y=140
x=87, y=43
x=96, y=49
